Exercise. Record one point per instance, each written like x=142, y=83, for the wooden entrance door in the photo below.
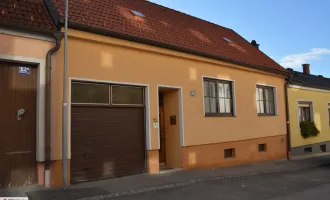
x=18, y=96
x=162, y=149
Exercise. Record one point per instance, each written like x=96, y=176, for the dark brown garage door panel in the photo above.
x=106, y=142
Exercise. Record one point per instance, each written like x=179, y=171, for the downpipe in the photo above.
x=58, y=37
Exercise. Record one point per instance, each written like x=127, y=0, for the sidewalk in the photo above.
x=147, y=182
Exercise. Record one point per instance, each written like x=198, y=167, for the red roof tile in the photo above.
x=167, y=26
x=29, y=13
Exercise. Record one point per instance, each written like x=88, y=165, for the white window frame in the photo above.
x=275, y=99
x=233, y=93
x=311, y=110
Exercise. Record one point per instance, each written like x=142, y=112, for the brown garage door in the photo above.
x=18, y=94
x=107, y=141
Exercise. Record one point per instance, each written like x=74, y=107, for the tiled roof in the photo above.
x=166, y=26
x=309, y=80
x=26, y=13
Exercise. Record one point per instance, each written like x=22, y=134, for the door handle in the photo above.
x=20, y=113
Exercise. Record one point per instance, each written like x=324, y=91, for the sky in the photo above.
x=292, y=32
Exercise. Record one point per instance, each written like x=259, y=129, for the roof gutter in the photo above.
x=169, y=46
x=58, y=37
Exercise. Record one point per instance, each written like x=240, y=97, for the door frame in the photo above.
x=147, y=111
x=40, y=100
x=180, y=103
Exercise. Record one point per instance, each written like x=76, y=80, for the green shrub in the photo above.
x=308, y=129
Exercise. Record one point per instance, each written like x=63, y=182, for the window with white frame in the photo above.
x=266, y=104
x=218, y=97
x=305, y=111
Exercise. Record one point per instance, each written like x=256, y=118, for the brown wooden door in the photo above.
x=107, y=142
x=162, y=149
x=17, y=137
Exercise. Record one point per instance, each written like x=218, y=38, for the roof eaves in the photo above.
x=31, y=29
x=310, y=85
x=170, y=46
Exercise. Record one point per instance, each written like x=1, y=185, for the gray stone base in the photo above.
x=310, y=150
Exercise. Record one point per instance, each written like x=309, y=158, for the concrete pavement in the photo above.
x=313, y=183
x=145, y=183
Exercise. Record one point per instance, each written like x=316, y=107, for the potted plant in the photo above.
x=308, y=129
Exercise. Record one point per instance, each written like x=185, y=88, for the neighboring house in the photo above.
x=26, y=35
x=309, y=100
x=149, y=86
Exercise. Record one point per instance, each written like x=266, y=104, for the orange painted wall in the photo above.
x=212, y=155
x=23, y=46
x=172, y=132
x=97, y=57
x=153, y=161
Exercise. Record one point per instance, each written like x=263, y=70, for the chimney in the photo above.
x=255, y=44
x=306, y=69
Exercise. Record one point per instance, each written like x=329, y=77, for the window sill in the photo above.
x=229, y=158
x=219, y=115
x=265, y=115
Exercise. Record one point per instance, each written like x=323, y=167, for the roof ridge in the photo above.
x=320, y=75
x=187, y=14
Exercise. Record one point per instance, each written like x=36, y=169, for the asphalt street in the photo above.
x=299, y=185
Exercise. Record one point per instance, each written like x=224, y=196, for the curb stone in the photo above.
x=190, y=182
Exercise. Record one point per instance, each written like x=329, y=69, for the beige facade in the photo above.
x=99, y=58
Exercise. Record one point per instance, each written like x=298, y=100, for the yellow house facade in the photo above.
x=139, y=102
x=309, y=99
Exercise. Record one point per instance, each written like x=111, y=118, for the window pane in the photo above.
x=206, y=89
x=221, y=90
x=261, y=94
x=207, y=105
x=267, y=107
x=127, y=95
x=262, y=106
x=304, y=114
x=222, y=105
x=213, y=105
x=269, y=93
x=90, y=93
x=212, y=89
x=228, y=106
x=308, y=114
x=227, y=91
x=271, y=108
x=257, y=94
